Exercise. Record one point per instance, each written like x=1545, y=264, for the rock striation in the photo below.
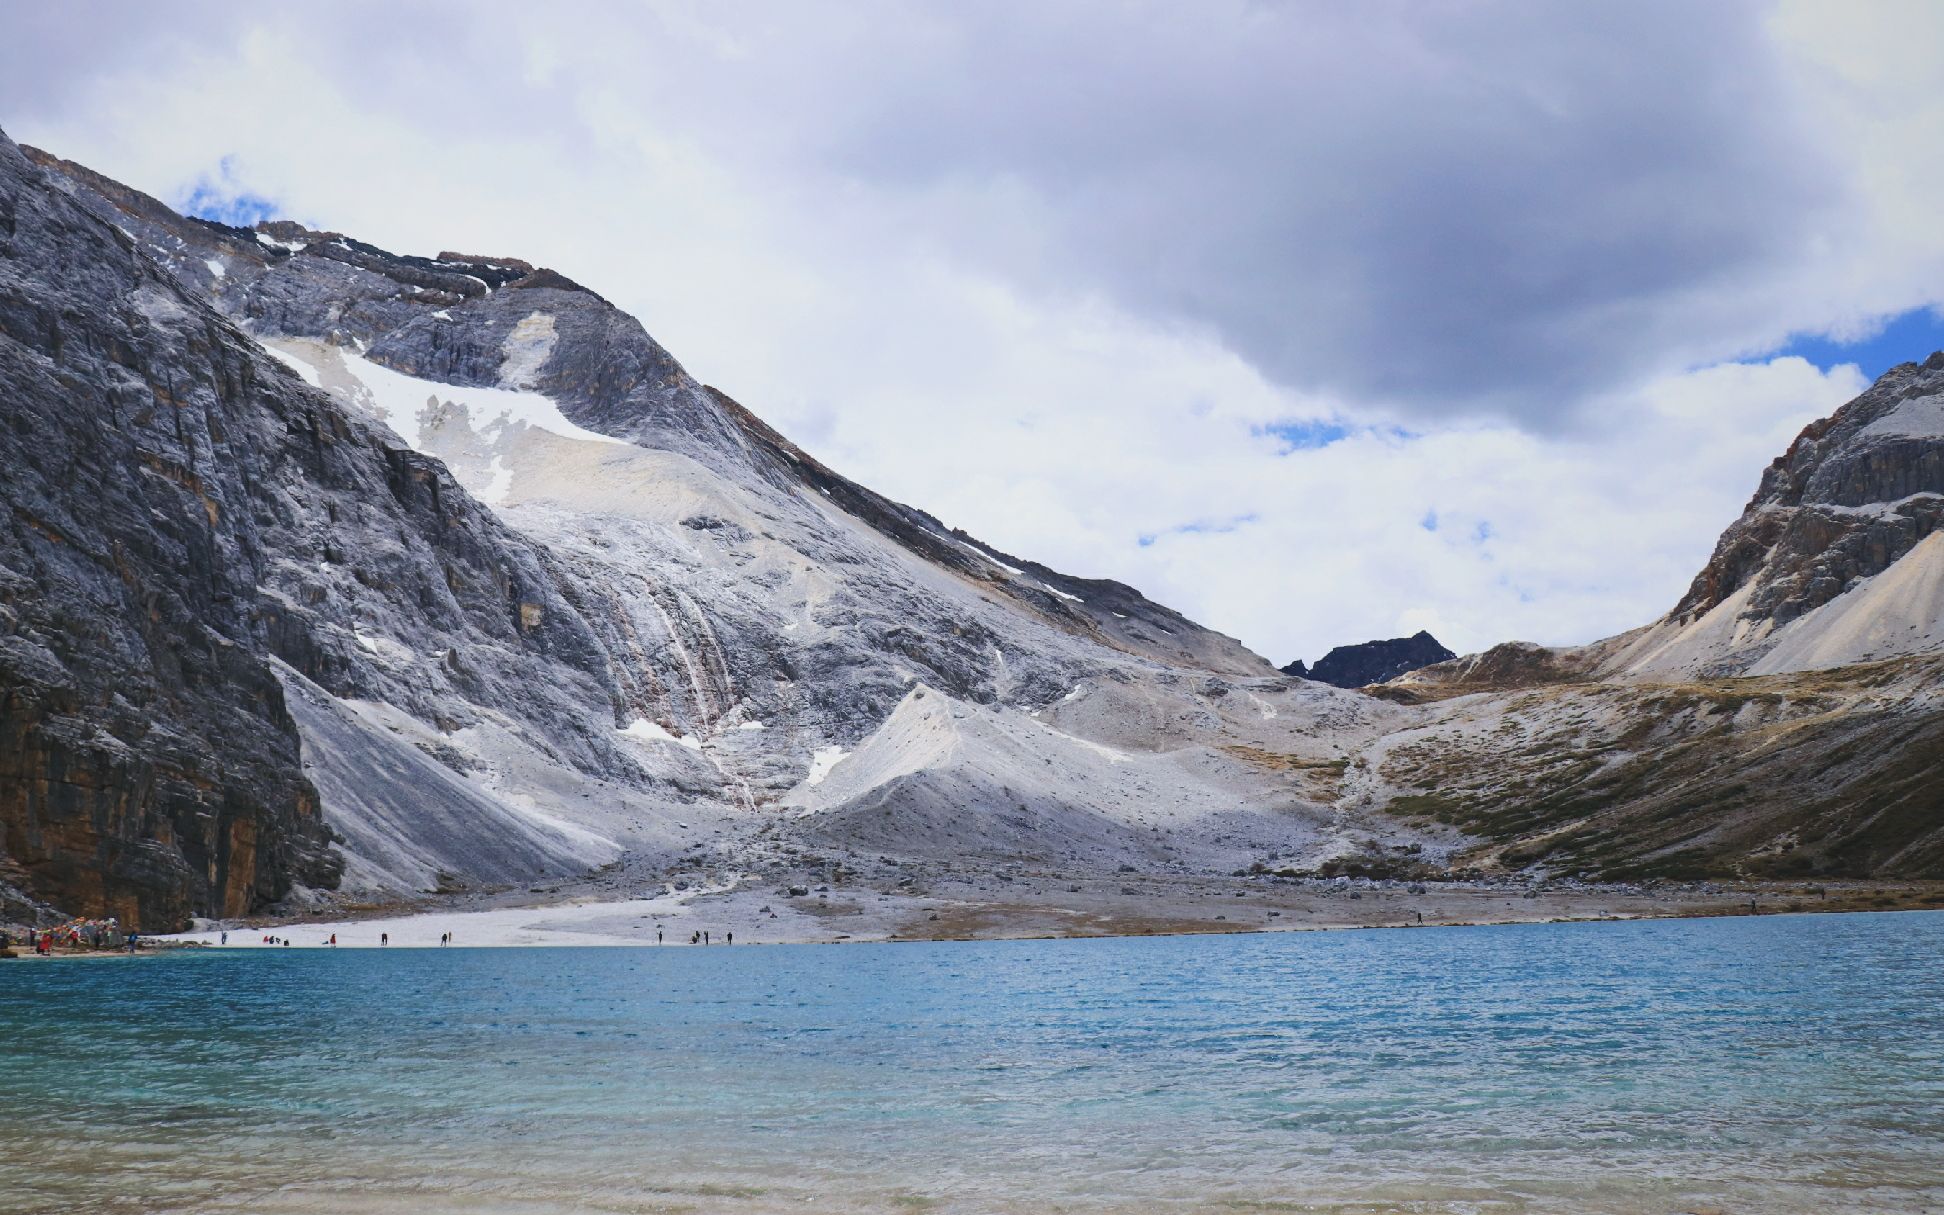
x=196, y=531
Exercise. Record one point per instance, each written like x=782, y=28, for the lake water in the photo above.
x=1775, y=1064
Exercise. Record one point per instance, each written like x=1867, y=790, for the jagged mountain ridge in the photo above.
x=1835, y=560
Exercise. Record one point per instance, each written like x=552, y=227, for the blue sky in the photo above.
x=217, y=195
x=1909, y=337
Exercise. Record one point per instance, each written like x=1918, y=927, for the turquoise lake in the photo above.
x=1773, y=1064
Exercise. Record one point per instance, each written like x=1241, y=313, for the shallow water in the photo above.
x=1779, y=1064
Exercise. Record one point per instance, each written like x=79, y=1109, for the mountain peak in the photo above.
x=1796, y=581
x=1371, y=662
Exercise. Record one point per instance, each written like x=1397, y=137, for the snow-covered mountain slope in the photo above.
x=695, y=617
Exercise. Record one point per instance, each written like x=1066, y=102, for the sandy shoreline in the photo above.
x=948, y=907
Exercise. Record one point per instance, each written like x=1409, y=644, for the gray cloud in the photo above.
x=1502, y=208
x=889, y=227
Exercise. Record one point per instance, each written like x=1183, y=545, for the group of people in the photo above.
x=83, y=934
x=384, y=938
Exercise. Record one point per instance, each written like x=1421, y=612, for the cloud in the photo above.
x=1493, y=207
x=1307, y=294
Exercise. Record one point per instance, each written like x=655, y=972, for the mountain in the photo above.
x=1356, y=666
x=1785, y=718
x=503, y=595
x=1837, y=560
x=334, y=577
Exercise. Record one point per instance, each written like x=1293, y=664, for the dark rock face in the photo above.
x=1855, y=492
x=148, y=768
x=1357, y=666
x=183, y=513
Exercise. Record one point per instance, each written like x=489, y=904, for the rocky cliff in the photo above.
x=195, y=532
x=148, y=765
x=1834, y=561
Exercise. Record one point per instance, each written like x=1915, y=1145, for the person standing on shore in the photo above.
x=384, y=938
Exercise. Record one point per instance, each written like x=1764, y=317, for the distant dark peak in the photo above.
x=552, y=279
x=492, y=263
x=1356, y=666
x=219, y=228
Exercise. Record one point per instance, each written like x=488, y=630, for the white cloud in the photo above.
x=1050, y=276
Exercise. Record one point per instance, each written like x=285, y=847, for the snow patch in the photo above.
x=526, y=350
x=822, y=762
x=1014, y=570
x=216, y=268
x=1062, y=594
x=501, y=483
x=403, y=403
x=1920, y=417
x=647, y=730
x=296, y=364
